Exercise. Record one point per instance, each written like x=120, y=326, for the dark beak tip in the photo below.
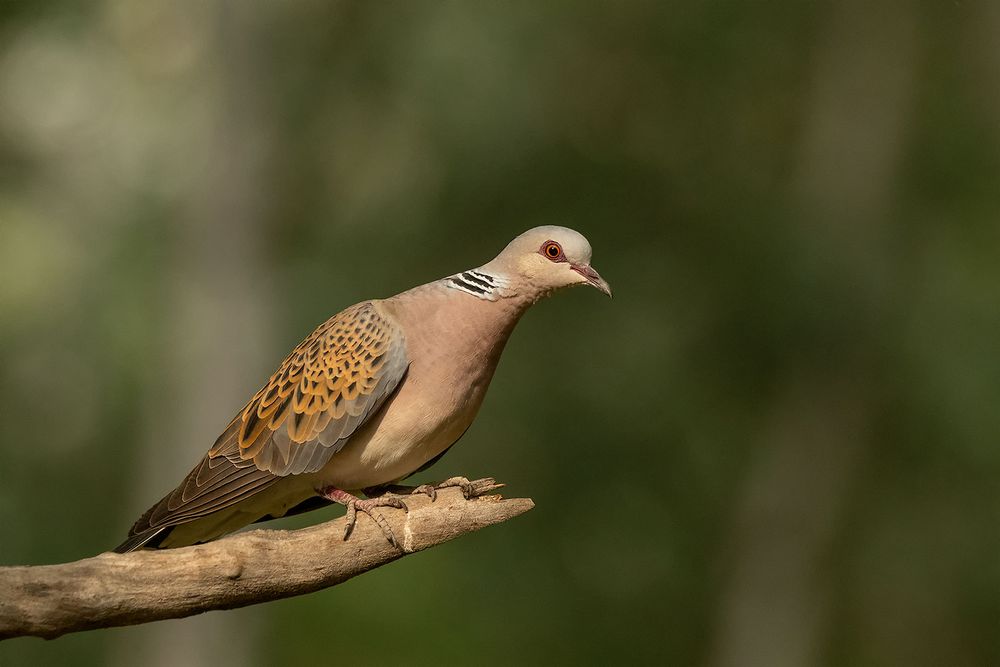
x=594, y=279
x=601, y=285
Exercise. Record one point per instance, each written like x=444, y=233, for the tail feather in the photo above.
x=147, y=538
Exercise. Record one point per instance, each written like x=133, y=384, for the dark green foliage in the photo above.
x=781, y=438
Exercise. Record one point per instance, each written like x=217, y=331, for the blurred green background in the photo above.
x=778, y=445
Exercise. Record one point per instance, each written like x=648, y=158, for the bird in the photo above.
x=377, y=393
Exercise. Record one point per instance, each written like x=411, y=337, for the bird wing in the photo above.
x=324, y=390
x=331, y=384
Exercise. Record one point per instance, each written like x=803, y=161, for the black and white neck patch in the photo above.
x=477, y=283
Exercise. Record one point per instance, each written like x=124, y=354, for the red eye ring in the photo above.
x=553, y=251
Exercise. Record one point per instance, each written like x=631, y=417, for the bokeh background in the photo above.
x=778, y=445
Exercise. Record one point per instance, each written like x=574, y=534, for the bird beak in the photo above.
x=594, y=279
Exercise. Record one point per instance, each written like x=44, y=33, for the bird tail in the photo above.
x=147, y=538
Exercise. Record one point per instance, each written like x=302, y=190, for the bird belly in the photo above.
x=438, y=399
x=400, y=441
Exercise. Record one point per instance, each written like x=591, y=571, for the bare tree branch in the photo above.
x=125, y=589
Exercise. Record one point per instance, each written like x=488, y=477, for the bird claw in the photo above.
x=366, y=506
x=430, y=490
x=426, y=489
x=468, y=489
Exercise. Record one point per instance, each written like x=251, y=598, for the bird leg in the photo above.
x=367, y=506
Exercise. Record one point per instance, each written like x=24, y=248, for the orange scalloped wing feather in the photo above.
x=322, y=392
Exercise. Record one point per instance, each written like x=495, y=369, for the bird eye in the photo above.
x=552, y=250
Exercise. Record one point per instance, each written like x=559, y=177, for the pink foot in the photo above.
x=367, y=506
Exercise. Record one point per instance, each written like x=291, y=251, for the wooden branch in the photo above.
x=248, y=568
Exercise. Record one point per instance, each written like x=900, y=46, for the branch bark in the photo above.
x=258, y=566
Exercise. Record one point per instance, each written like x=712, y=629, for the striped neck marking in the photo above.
x=478, y=284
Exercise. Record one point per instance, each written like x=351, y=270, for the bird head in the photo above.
x=549, y=258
